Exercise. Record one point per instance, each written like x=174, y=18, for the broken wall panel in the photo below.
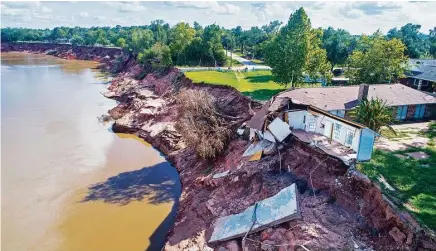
x=272, y=211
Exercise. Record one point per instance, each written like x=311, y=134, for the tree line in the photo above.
x=293, y=50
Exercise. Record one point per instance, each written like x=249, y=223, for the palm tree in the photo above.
x=374, y=114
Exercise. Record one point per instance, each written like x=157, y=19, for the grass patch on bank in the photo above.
x=411, y=179
x=258, y=85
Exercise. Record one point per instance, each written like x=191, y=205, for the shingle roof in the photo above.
x=424, y=69
x=345, y=97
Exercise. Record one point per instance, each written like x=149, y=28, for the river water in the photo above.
x=67, y=181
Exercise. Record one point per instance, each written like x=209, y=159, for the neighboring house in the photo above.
x=336, y=136
x=408, y=103
x=421, y=75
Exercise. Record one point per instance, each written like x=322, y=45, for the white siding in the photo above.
x=295, y=119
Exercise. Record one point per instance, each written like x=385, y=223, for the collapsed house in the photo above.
x=336, y=136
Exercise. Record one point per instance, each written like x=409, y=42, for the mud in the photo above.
x=341, y=208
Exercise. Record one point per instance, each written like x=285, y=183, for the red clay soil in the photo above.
x=341, y=209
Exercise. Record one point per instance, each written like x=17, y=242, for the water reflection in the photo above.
x=64, y=174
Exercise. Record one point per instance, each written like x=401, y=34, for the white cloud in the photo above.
x=45, y=9
x=131, y=7
x=356, y=17
x=209, y=7
x=83, y=14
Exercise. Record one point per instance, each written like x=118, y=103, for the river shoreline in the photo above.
x=147, y=108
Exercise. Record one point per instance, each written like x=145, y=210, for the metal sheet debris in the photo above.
x=220, y=175
x=279, y=129
x=256, y=147
x=272, y=211
x=268, y=136
x=256, y=156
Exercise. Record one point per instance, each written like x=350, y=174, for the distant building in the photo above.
x=421, y=75
x=409, y=103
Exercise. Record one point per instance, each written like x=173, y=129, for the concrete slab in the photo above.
x=418, y=155
x=272, y=211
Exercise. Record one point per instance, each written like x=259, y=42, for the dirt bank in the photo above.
x=66, y=51
x=347, y=212
x=341, y=209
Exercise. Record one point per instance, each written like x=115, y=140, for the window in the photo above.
x=312, y=124
x=337, y=131
x=349, y=138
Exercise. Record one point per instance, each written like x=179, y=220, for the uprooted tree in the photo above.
x=200, y=124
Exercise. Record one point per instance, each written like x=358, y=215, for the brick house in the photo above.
x=421, y=75
x=408, y=103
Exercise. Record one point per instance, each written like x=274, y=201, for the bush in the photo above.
x=200, y=126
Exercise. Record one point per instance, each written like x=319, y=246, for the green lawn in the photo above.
x=258, y=85
x=257, y=61
x=413, y=181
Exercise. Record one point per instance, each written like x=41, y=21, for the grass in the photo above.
x=397, y=135
x=258, y=85
x=413, y=181
x=257, y=61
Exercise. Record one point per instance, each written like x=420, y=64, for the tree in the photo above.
x=296, y=51
x=415, y=41
x=77, y=40
x=374, y=114
x=140, y=40
x=432, y=38
x=159, y=55
x=181, y=36
x=159, y=29
x=272, y=28
x=382, y=61
x=212, y=45
x=58, y=33
x=337, y=43
x=317, y=66
x=121, y=42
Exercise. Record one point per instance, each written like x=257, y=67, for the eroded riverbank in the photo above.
x=348, y=210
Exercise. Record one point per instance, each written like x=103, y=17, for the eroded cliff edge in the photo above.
x=343, y=210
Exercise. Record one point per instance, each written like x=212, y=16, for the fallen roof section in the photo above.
x=272, y=211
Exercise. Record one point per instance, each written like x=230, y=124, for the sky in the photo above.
x=356, y=17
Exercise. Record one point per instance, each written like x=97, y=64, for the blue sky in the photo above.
x=356, y=17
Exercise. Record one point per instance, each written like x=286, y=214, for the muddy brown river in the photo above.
x=67, y=181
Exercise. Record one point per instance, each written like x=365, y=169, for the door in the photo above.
x=328, y=129
x=366, y=144
x=401, y=112
x=419, y=112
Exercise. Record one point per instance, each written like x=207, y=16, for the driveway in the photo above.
x=249, y=64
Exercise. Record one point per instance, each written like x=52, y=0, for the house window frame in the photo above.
x=337, y=131
x=349, y=136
